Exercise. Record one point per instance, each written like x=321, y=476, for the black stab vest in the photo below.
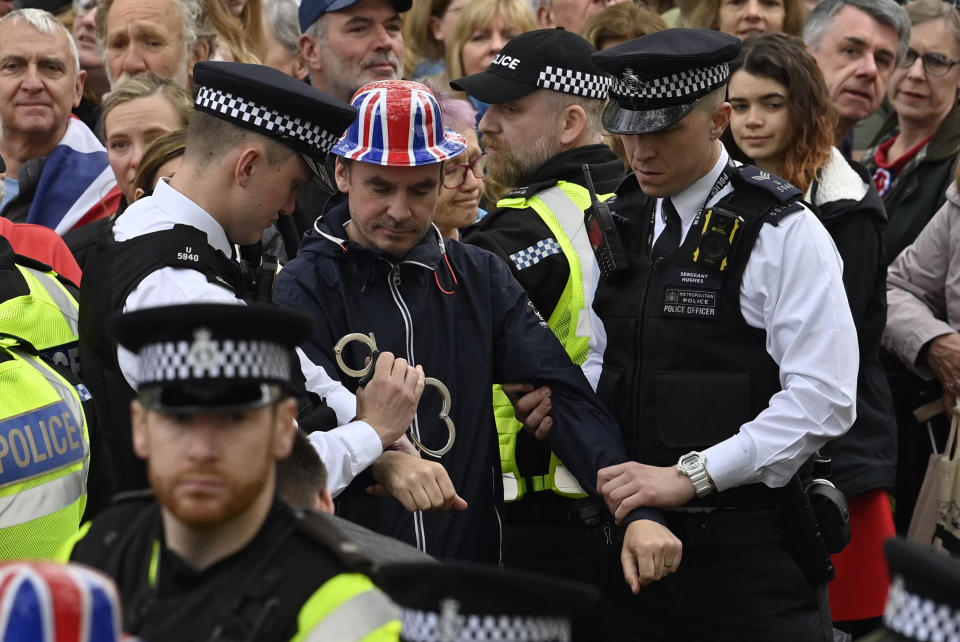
x=682, y=369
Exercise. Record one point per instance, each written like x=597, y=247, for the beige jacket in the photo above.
x=923, y=287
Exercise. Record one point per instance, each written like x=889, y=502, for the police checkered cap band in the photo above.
x=51, y=602
x=306, y=137
x=570, y=81
x=689, y=83
x=919, y=618
x=427, y=626
x=211, y=359
x=399, y=124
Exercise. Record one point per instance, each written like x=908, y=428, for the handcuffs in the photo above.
x=366, y=373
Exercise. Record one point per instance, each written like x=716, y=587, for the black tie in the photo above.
x=669, y=239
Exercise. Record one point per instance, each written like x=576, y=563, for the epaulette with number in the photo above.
x=779, y=188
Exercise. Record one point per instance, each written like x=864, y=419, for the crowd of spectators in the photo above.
x=96, y=98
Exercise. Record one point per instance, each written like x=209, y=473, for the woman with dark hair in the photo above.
x=783, y=121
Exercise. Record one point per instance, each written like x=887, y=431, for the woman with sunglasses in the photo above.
x=783, y=122
x=913, y=157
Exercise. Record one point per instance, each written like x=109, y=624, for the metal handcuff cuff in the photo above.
x=366, y=373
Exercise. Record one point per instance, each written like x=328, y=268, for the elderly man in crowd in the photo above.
x=857, y=45
x=572, y=15
x=162, y=36
x=57, y=171
x=346, y=44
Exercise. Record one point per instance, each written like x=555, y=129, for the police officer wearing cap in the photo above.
x=543, y=125
x=731, y=357
x=256, y=137
x=215, y=555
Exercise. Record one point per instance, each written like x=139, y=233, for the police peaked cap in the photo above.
x=924, y=598
x=553, y=59
x=274, y=104
x=469, y=601
x=312, y=10
x=659, y=78
x=212, y=356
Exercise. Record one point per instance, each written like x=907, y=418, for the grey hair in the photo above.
x=282, y=17
x=886, y=12
x=192, y=15
x=318, y=30
x=46, y=24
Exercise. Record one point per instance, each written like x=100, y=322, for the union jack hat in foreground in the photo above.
x=50, y=602
x=399, y=125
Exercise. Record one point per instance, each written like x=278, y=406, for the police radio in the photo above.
x=258, y=271
x=717, y=238
x=603, y=234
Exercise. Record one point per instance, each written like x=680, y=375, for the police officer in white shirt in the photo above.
x=256, y=137
x=731, y=357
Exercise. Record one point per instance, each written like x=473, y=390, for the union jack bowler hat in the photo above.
x=399, y=125
x=659, y=78
x=50, y=602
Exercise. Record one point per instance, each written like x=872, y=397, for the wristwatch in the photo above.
x=694, y=466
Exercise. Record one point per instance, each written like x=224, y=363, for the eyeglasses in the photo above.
x=934, y=64
x=454, y=174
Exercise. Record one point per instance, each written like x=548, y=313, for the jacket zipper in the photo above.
x=394, y=282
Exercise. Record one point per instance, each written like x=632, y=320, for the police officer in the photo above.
x=214, y=555
x=731, y=356
x=256, y=136
x=546, y=98
x=45, y=436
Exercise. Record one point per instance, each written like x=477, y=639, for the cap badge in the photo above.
x=450, y=624
x=203, y=354
x=630, y=79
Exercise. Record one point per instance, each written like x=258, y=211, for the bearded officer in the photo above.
x=256, y=137
x=216, y=555
x=731, y=357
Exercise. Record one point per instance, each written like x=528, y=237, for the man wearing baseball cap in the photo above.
x=731, y=357
x=212, y=553
x=376, y=265
x=546, y=98
x=257, y=135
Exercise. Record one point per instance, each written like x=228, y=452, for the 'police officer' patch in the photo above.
x=691, y=293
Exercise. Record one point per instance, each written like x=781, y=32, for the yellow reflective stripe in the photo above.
x=63, y=555
x=154, y=564
x=64, y=300
x=348, y=607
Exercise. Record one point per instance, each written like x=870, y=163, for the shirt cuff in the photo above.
x=730, y=464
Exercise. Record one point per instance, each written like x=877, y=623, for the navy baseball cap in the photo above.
x=659, y=78
x=311, y=10
x=553, y=59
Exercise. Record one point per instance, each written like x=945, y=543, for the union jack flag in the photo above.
x=50, y=602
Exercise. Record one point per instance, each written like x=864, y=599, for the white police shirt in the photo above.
x=346, y=450
x=793, y=289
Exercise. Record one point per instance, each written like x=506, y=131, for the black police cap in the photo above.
x=469, y=601
x=203, y=357
x=275, y=104
x=924, y=598
x=543, y=59
x=659, y=78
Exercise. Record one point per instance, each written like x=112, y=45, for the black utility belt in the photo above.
x=726, y=527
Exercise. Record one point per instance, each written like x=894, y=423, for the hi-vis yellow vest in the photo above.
x=561, y=208
x=44, y=442
x=44, y=455
x=46, y=317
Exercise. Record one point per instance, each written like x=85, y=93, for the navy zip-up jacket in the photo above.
x=457, y=311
